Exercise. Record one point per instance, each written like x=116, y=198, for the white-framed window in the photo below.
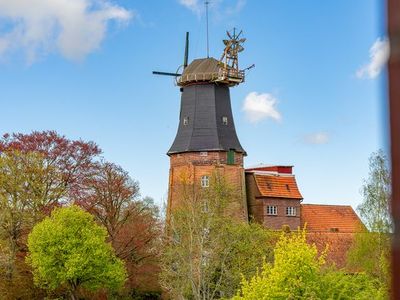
x=291, y=211
x=272, y=210
x=205, y=181
x=225, y=120
x=185, y=121
x=203, y=153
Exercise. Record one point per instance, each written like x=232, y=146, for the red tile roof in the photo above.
x=277, y=186
x=329, y=218
x=338, y=244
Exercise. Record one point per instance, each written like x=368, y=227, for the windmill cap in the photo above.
x=200, y=70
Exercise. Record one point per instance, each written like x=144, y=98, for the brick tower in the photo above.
x=206, y=142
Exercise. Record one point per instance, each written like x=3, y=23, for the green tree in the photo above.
x=375, y=208
x=69, y=250
x=344, y=286
x=370, y=251
x=299, y=273
x=206, y=250
x=294, y=274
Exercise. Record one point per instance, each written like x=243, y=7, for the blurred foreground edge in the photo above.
x=394, y=107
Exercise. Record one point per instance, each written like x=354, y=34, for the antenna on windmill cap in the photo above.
x=208, y=48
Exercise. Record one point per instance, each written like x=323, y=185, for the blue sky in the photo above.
x=315, y=99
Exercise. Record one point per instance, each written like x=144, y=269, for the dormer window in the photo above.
x=224, y=120
x=185, y=121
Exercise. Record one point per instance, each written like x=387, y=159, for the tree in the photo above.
x=72, y=159
x=132, y=224
x=206, y=251
x=69, y=249
x=23, y=199
x=299, y=273
x=375, y=208
x=370, y=251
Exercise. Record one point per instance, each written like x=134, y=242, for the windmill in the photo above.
x=206, y=140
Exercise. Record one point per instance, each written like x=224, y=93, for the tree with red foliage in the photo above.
x=72, y=159
x=132, y=224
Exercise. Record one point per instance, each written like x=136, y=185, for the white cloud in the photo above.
x=379, y=55
x=215, y=6
x=260, y=106
x=317, y=138
x=194, y=5
x=74, y=28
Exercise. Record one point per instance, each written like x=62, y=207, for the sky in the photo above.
x=315, y=99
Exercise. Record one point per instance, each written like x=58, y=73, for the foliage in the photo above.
x=370, y=253
x=375, y=209
x=359, y=286
x=71, y=160
x=294, y=274
x=43, y=170
x=23, y=199
x=38, y=171
x=69, y=249
x=298, y=273
x=132, y=224
x=206, y=250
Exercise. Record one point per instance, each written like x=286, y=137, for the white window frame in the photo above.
x=204, y=153
x=205, y=181
x=272, y=210
x=224, y=120
x=291, y=211
x=186, y=121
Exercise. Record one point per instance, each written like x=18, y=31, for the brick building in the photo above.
x=274, y=199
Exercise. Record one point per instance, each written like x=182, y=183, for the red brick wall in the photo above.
x=281, y=219
x=186, y=170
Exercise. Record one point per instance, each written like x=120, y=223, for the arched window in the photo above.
x=205, y=181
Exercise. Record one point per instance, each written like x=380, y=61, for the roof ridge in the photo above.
x=314, y=204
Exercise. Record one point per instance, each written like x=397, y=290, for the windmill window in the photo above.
x=225, y=120
x=291, y=211
x=204, y=153
x=185, y=121
x=272, y=210
x=205, y=181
